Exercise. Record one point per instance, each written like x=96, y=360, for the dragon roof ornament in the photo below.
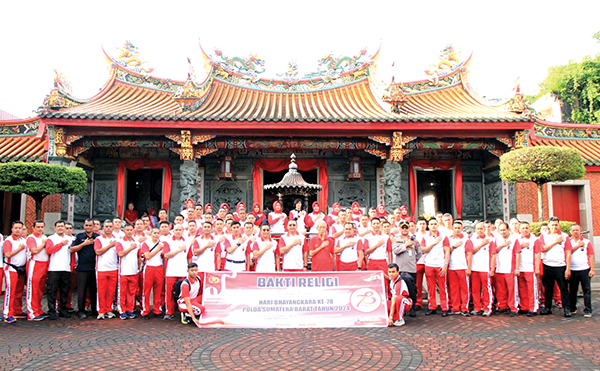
x=250, y=66
x=447, y=62
x=130, y=59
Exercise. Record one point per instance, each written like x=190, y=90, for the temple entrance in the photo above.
x=270, y=177
x=10, y=209
x=434, y=191
x=144, y=189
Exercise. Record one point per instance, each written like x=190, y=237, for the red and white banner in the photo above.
x=278, y=300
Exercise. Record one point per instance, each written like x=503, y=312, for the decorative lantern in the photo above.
x=355, y=169
x=225, y=172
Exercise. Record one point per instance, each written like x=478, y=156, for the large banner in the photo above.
x=276, y=300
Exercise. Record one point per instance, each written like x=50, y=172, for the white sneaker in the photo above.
x=110, y=315
x=100, y=316
x=587, y=315
x=399, y=322
x=487, y=313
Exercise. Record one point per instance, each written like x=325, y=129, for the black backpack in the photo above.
x=411, y=284
x=176, y=291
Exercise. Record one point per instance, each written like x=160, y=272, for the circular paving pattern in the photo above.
x=307, y=349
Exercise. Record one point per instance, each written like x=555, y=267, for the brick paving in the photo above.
x=424, y=343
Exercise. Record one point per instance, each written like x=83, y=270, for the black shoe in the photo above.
x=567, y=313
x=444, y=313
x=82, y=315
x=417, y=307
x=545, y=312
x=147, y=316
x=531, y=314
x=514, y=314
x=52, y=316
x=71, y=310
x=412, y=313
x=521, y=311
x=64, y=314
x=431, y=312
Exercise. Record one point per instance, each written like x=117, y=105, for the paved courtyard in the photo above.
x=424, y=343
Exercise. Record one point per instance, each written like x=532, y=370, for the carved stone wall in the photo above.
x=392, y=182
x=493, y=193
x=217, y=191
x=176, y=203
x=472, y=190
x=347, y=191
x=188, y=181
x=105, y=188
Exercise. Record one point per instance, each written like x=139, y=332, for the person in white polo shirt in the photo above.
x=437, y=248
x=294, y=249
x=59, y=270
x=153, y=273
x=128, y=250
x=582, y=270
x=556, y=250
x=15, y=255
x=529, y=270
x=204, y=250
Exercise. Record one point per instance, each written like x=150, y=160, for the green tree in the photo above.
x=577, y=85
x=39, y=180
x=541, y=165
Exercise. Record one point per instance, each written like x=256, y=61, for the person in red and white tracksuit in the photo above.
x=37, y=270
x=484, y=257
x=419, y=237
x=153, y=274
x=128, y=251
x=437, y=247
x=294, y=249
x=459, y=269
x=204, y=250
x=582, y=270
x=349, y=250
x=400, y=302
x=14, y=249
x=265, y=251
x=507, y=261
x=236, y=246
x=59, y=270
x=190, y=297
x=378, y=249
x=528, y=270
x=107, y=270
x=176, y=252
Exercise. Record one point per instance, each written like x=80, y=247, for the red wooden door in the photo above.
x=565, y=202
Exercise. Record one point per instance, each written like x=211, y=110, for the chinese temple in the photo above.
x=431, y=144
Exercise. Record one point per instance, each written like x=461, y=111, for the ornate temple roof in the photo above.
x=582, y=137
x=19, y=141
x=233, y=91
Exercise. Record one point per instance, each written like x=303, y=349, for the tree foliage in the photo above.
x=39, y=180
x=577, y=85
x=541, y=165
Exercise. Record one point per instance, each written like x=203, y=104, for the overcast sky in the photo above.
x=508, y=39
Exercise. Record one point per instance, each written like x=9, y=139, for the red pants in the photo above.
x=459, y=290
x=482, y=283
x=170, y=303
x=506, y=291
x=127, y=288
x=37, y=273
x=107, y=286
x=433, y=276
x=197, y=306
x=154, y=280
x=402, y=306
x=347, y=267
x=13, y=297
x=381, y=265
x=293, y=270
x=528, y=291
x=420, y=274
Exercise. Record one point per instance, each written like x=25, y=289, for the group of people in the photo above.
x=117, y=266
